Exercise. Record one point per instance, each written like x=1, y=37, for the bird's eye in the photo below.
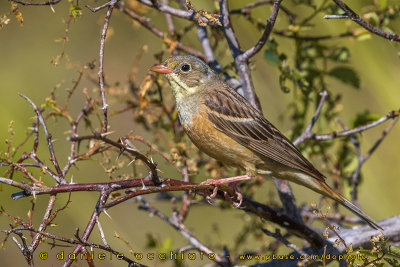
x=185, y=67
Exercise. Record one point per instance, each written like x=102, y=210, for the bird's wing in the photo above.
x=233, y=115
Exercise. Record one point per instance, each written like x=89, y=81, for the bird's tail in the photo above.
x=326, y=190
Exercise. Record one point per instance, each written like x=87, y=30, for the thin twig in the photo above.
x=185, y=14
x=366, y=25
x=43, y=225
x=46, y=3
x=267, y=31
x=145, y=22
x=277, y=235
x=111, y=5
x=124, y=147
x=60, y=178
x=181, y=228
x=314, y=119
x=92, y=222
x=390, y=115
x=75, y=242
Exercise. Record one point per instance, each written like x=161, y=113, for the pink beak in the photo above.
x=161, y=68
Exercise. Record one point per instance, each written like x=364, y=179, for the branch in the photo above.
x=60, y=178
x=368, y=26
x=74, y=242
x=363, y=158
x=89, y=228
x=46, y=3
x=185, y=14
x=123, y=146
x=359, y=237
x=110, y=5
x=169, y=185
x=211, y=60
x=168, y=19
x=314, y=119
x=247, y=89
x=181, y=228
x=145, y=22
x=267, y=31
x=391, y=115
x=43, y=225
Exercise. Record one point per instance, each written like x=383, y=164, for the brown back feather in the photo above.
x=233, y=115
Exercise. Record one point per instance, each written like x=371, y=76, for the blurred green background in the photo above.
x=26, y=55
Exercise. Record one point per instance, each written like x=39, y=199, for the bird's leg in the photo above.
x=227, y=180
x=232, y=182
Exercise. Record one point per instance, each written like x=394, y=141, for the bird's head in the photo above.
x=187, y=75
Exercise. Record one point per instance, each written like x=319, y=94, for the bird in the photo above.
x=225, y=126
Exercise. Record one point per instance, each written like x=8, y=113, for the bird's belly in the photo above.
x=218, y=145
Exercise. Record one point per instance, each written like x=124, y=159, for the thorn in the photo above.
x=115, y=186
x=52, y=8
x=341, y=16
x=107, y=133
x=143, y=186
x=132, y=161
x=108, y=215
x=72, y=180
x=130, y=190
x=120, y=152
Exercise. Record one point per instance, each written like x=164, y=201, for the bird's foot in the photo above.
x=213, y=196
x=239, y=195
x=232, y=182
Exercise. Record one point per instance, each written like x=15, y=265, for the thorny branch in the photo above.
x=110, y=8
x=59, y=178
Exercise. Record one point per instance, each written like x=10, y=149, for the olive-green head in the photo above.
x=187, y=75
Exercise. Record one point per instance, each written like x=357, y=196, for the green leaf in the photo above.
x=382, y=4
x=346, y=75
x=395, y=251
x=272, y=58
x=166, y=245
x=341, y=54
x=151, y=241
x=362, y=35
x=76, y=11
x=271, y=44
x=373, y=18
x=392, y=262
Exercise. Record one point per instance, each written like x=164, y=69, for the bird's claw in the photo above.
x=239, y=195
x=228, y=198
x=211, y=197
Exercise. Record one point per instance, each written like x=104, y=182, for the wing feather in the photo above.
x=231, y=114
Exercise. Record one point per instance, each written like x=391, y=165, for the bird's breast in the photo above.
x=217, y=144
